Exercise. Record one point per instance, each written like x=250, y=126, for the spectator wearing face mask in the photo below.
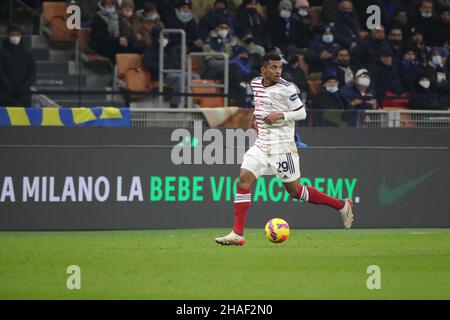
x=150, y=19
x=302, y=21
x=130, y=27
x=17, y=70
x=219, y=12
x=220, y=39
x=182, y=18
x=329, y=98
x=346, y=26
x=425, y=20
x=438, y=71
x=322, y=50
x=359, y=94
x=105, y=36
x=171, y=61
x=425, y=96
x=283, y=29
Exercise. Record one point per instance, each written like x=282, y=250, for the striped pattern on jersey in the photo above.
x=260, y=92
x=277, y=138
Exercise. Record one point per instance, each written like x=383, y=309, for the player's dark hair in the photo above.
x=270, y=56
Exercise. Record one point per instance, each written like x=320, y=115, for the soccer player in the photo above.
x=277, y=107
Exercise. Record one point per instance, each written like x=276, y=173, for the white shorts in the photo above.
x=285, y=166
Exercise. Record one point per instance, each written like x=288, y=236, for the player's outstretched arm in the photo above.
x=296, y=115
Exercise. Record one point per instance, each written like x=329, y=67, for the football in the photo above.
x=277, y=230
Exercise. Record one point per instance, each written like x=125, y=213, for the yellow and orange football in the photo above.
x=277, y=230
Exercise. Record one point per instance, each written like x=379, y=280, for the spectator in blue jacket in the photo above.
x=408, y=68
x=241, y=73
x=322, y=50
x=219, y=12
x=220, y=40
x=358, y=92
x=438, y=70
x=182, y=18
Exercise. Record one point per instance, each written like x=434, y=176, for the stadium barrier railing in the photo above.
x=380, y=118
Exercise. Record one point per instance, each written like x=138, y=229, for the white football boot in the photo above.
x=347, y=213
x=232, y=239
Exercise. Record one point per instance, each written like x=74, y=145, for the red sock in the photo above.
x=242, y=202
x=312, y=195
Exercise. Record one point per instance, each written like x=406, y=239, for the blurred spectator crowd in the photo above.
x=329, y=53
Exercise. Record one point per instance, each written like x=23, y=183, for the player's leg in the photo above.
x=312, y=195
x=287, y=168
x=254, y=165
x=242, y=201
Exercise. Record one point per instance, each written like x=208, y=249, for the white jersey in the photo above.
x=277, y=138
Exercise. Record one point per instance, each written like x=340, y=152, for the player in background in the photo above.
x=277, y=107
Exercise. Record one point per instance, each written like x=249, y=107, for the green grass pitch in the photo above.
x=188, y=264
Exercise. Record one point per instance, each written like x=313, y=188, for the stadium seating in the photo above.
x=129, y=68
x=196, y=64
x=54, y=22
x=207, y=102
